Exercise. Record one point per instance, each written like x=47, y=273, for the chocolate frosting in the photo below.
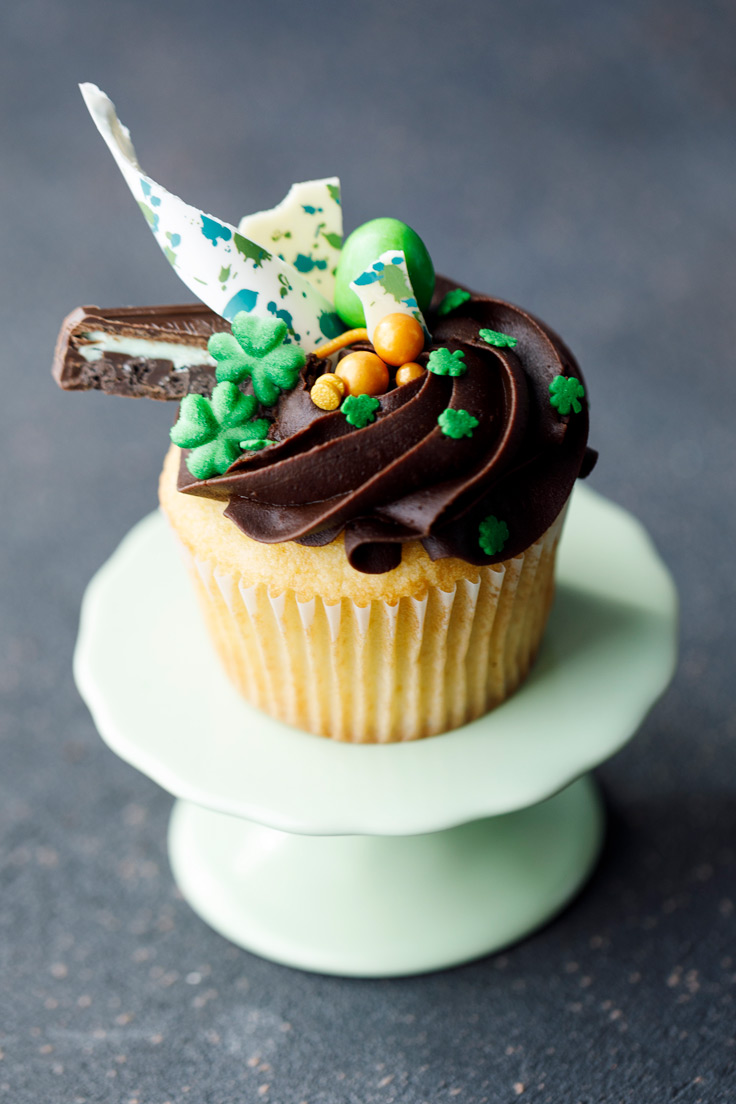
x=400, y=478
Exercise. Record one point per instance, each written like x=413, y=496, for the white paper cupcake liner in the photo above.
x=382, y=672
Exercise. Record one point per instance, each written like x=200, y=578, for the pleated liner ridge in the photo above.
x=382, y=673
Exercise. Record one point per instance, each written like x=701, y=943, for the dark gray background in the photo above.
x=577, y=158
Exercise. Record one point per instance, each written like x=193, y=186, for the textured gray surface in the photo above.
x=575, y=158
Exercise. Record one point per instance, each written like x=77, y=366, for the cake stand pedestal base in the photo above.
x=379, y=906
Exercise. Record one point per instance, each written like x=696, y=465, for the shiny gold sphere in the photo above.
x=408, y=372
x=363, y=374
x=398, y=338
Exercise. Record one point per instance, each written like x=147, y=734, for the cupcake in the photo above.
x=370, y=464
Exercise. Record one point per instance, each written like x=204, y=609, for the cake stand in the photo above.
x=379, y=860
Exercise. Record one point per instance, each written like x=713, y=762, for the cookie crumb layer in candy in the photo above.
x=139, y=352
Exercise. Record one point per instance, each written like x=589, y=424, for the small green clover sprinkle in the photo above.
x=457, y=423
x=492, y=535
x=500, y=340
x=444, y=363
x=256, y=443
x=360, y=410
x=564, y=393
x=453, y=300
x=217, y=429
x=255, y=349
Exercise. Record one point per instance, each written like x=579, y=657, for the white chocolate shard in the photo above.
x=385, y=288
x=305, y=230
x=228, y=271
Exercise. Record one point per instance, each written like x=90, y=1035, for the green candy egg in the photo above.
x=363, y=247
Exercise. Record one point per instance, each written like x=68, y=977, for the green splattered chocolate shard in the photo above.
x=200, y=246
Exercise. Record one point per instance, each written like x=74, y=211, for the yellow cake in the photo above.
x=418, y=650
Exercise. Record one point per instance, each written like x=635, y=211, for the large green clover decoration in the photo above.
x=218, y=429
x=255, y=349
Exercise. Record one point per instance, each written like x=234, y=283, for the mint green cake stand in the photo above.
x=381, y=860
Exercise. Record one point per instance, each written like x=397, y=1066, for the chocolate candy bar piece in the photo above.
x=140, y=352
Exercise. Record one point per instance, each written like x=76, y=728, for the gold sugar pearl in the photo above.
x=327, y=391
x=408, y=372
x=363, y=374
x=398, y=338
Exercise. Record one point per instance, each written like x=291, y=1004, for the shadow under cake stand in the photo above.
x=379, y=860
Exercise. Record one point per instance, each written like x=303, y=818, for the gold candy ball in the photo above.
x=363, y=374
x=408, y=372
x=327, y=391
x=398, y=338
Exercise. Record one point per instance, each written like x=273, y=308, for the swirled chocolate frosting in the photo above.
x=400, y=478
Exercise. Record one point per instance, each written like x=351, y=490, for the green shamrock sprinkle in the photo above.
x=500, y=340
x=492, y=535
x=256, y=443
x=360, y=409
x=217, y=429
x=453, y=300
x=457, y=423
x=564, y=393
x=444, y=363
x=255, y=349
